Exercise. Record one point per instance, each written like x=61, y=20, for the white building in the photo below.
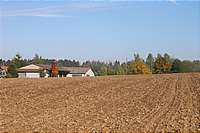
x=78, y=71
x=30, y=71
x=37, y=71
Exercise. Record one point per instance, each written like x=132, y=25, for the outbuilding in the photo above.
x=76, y=71
x=41, y=70
x=30, y=71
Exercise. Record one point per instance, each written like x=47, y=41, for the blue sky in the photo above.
x=99, y=30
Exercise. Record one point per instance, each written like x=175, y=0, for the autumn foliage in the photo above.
x=162, y=65
x=54, y=69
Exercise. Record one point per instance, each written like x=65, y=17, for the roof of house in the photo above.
x=47, y=67
x=74, y=70
x=30, y=68
x=40, y=67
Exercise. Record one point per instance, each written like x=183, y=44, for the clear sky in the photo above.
x=99, y=30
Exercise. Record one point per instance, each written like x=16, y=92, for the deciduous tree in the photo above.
x=37, y=59
x=139, y=67
x=161, y=65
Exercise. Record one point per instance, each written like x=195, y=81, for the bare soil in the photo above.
x=168, y=102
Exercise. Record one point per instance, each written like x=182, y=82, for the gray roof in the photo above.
x=72, y=70
x=47, y=67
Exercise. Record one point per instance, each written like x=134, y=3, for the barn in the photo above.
x=41, y=70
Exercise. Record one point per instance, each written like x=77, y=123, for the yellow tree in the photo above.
x=139, y=67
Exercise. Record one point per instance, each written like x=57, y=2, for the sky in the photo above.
x=99, y=30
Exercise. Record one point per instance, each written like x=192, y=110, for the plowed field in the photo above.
x=168, y=102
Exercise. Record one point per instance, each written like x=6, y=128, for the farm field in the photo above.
x=168, y=102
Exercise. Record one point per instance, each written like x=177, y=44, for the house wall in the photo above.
x=29, y=75
x=75, y=75
x=22, y=75
x=89, y=73
x=33, y=75
x=69, y=75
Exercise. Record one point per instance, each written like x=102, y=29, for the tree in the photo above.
x=125, y=67
x=118, y=70
x=54, y=69
x=186, y=66
x=37, y=59
x=159, y=55
x=196, y=66
x=138, y=67
x=110, y=70
x=17, y=61
x=167, y=57
x=150, y=61
x=176, y=66
x=12, y=71
x=103, y=71
x=137, y=57
x=1, y=61
x=161, y=65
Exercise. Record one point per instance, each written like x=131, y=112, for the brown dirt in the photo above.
x=168, y=102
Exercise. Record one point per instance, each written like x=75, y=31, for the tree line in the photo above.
x=151, y=65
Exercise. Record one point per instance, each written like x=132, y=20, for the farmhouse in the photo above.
x=40, y=70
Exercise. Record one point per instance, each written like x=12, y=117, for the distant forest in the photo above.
x=151, y=65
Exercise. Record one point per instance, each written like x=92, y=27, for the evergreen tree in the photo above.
x=17, y=61
x=103, y=71
x=137, y=57
x=110, y=70
x=159, y=55
x=150, y=61
x=124, y=66
x=167, y=57
x=12, y=71
x=176, y=66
